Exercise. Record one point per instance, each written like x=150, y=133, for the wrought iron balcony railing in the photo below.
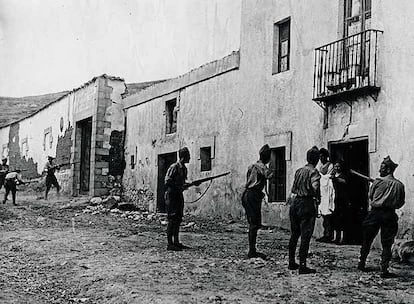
x=347, y=66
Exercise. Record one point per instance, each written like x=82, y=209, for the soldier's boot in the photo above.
x=303, y=269
x=172, y=247
x=252, y=243
x=361, y=265
x=293, y=265
x=182, y=246
x=385, y=274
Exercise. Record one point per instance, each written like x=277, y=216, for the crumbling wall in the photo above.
x=16, y=160
x=63, y=157
x=116, y=153
x=63, y=147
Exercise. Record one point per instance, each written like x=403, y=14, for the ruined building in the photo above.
x=331, y=73
x=82, y=128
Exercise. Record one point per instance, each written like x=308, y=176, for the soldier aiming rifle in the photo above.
x=51, y=180
x=175, y=182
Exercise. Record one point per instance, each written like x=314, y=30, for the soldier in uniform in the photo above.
x=386, y=194
x=51, y=180
x=175, y=182
x=252, y=197
x=4, y=169
x=305, y=198
x=12, y=179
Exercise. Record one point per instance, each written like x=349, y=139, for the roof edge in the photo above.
x=115, y=78
x=209, y=70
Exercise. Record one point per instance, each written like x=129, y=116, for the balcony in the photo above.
x=347, y=68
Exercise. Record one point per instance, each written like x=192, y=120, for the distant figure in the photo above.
x=175, y=182
x=12, y=179
x=386, y=194
x=326, y=206
x=252, y=197
x=51, y=180
x=303, y=210
x=340, y=183
x=4, y=169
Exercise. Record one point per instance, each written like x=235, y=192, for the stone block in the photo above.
x=101, y=164
x=100, y=191
x=101, y=151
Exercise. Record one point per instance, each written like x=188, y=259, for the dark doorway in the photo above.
x=85, y=127
x=164, y=162
x=354, y=155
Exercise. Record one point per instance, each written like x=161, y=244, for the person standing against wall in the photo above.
x=303, y=210
x=340, y=184
x=326, y=207
x=252, y=197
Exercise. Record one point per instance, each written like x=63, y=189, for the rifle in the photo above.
x=370, y=179
x=202, y=180
x=30, y=181
x=57, y=166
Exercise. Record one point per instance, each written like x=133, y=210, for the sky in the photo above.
x=48, y=46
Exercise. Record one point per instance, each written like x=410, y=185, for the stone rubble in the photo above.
x=114, y=206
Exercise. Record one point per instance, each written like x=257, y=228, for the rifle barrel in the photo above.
x=361, y=175
x=202, y=180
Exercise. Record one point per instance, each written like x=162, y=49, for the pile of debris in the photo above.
x=113, y=205
x=142, y=197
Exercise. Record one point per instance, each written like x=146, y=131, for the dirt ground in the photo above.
x=55, y=252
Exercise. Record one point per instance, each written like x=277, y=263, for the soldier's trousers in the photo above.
x=10, y=186
x=302, y=215
x=252, y=204
x=379, y=219
x=2, y=181
x=174, y=203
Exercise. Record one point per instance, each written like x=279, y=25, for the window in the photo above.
x=281, y=46
x=47, y=139
x=132, y=161
x=357, y=16
x=205, y=157
x=277, y=184
x=171, y=116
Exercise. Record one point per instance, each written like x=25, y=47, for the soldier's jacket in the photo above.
x=387, y=192
x=176, y=177
x=50, y=168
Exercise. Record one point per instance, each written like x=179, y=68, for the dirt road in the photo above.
x=54, y=252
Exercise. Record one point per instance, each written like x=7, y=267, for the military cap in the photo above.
x=389, y=163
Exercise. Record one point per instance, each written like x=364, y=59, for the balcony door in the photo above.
x=357, y=17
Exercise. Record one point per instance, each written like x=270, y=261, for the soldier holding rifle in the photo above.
x=12, y=179
x=4, y=169
x=175, y=182
x=51, y=180
x=385, y=194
